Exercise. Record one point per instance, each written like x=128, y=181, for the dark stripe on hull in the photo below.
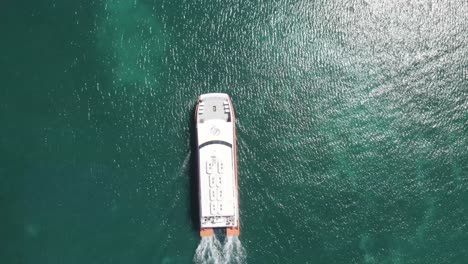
x=215, y=142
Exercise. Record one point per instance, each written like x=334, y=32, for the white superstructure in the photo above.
x=217, y=163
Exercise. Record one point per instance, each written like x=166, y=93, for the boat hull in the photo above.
x=217, y=164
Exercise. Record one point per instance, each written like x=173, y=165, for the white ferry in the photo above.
x=217, y=164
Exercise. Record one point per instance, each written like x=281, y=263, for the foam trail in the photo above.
x=209, y=251
x=212, y=251
x=184, y=166
x=233, y=250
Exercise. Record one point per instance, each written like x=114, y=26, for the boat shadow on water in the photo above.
x=193, y=209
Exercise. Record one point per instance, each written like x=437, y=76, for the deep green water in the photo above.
x=352, y=128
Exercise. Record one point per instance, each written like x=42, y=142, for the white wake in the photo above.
x=212, y=251
x=233, y=250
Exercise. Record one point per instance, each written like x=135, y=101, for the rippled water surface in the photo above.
x=352, y=129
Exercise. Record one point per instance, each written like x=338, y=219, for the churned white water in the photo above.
x=211, y=250
x=233, y=250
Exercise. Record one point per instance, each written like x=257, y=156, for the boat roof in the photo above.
x=214, y=106
x=214, y=95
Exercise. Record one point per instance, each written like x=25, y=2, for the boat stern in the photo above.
x=233, y=231
x=205, y=232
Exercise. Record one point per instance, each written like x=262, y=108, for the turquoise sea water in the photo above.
x=352, y=125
